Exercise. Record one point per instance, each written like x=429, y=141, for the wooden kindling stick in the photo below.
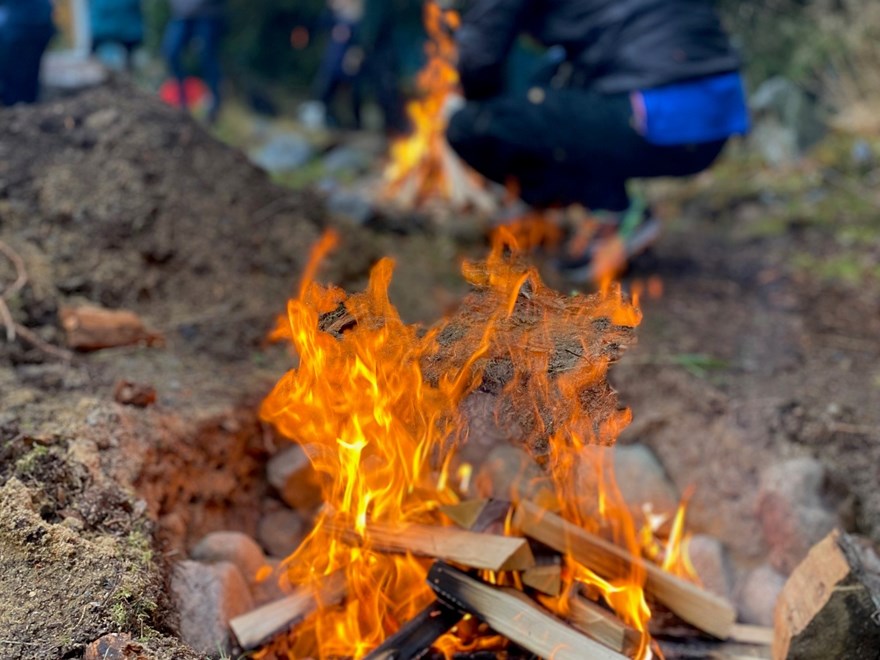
x=258, y=626
x=514, y=615
x=706, y=611
x=472, y=549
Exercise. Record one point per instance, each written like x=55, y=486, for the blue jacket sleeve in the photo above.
x=484, y=41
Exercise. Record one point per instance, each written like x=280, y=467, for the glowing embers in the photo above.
x=376, y=405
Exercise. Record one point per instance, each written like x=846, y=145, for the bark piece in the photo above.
x=706, y=611
x=258, y=626
x=134, y=394
x=92, y=328
x=475, y=550
x=829, y=606
x=514, y=615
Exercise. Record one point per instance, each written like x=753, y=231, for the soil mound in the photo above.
x=114, y=197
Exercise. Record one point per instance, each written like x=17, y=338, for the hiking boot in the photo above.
x=602, y=244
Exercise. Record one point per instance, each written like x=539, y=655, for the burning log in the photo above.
x=475, y=550
x=517, y=617
x=415, y=638
x=262, y=624
x=601, y=625
x=709, y=613
x=829, y=606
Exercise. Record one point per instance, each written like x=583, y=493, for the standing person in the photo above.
x=343, y=59
x=117, y=22
x=26, y=28
x=638, y=88
x=201, y=22
x=381, y=66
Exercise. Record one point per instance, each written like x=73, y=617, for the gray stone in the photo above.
x=510, y=473
x=640, y=477
x=346, y=159
x=757, y=595
x=786, y=121
x=283, y=153
x=794, y=510
x=207, y=597
x=280, y=532
x=233, y=547
x=349, y=205
x=291, y=473
x=709, y=559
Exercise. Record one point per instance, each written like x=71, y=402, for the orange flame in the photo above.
x=381, y=438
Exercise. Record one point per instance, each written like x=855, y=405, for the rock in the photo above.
x=233, y=547
x=115, y=646
x=794, y=510
x=292, y=475
x=207, y=597
x=346, y=159
x=350, y=205
x=757, y=595
x=640, y=477
x=510, y=473
x=280, y=532
x=283, y=153
x=786, y=121
x=134, y=394
x=709, y=559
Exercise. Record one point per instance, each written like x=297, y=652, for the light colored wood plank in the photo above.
x=258, y=626
x=746, y=634
x=601, y=625
x=514, y=615
x=491, y=552
x=546, y=578
x=708, y=612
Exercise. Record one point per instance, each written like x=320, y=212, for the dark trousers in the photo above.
x=207, y=33
x=567, y=146
x=21, y=51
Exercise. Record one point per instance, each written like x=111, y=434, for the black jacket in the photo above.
x=615, y=45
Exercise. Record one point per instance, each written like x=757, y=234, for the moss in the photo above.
x=28, y=463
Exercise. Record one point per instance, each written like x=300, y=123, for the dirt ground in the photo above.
x=752, y=354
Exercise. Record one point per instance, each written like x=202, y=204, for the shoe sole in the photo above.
x=647, y=235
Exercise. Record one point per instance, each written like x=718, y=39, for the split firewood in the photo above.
x=477, y=515
x=546, y=576
x=514, y=615
x=830, y=606
x=483, y=551
x=748, y=634
x=706, y=611
x=91, y=328
x=415, y=638
x=258, y=626
x=601, y=625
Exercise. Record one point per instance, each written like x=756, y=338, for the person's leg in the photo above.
x=209, y=32
x=25, y=51
x=177, y=36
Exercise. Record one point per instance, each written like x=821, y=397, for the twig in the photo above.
x=14, y=329
x=35, y=341
x=21, y=279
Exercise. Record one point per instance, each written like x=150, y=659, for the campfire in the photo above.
x=411, y=551
x=422, y=167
